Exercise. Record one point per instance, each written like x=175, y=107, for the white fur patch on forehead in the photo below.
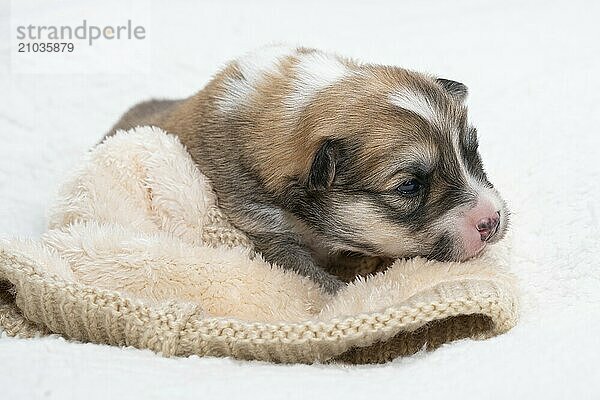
x=415, y=102
x=314, y=72
x=253, y=67
x=265, y=60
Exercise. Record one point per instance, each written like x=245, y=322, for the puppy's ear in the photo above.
x=456, y=89
x=322, y=170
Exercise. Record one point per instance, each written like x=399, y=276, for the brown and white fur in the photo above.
x=311, y=154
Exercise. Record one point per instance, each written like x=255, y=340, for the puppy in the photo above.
x=312, y=154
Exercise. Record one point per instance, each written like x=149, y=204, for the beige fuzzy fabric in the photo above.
x=138, y=254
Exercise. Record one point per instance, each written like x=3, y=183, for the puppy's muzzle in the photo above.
x=488, y=227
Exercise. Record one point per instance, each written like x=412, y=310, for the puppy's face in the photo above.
x=398, y=172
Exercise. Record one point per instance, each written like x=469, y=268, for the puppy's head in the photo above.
x=395, y=169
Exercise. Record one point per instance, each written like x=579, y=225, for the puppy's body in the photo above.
x=310, y=153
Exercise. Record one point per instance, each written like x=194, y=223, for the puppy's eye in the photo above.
x=410, y=187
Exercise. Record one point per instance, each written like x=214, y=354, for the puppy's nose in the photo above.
x=487, y=227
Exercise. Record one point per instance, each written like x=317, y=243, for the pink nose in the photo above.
x=487, y=227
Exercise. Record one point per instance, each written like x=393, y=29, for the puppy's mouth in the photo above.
x=477, y=253
x=449, y=254
x=474, y=239
x=445, y=249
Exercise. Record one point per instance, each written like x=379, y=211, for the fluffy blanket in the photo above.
x=138, y=253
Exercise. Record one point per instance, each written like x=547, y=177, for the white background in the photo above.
x=532, y=69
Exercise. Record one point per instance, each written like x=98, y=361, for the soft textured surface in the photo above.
x=138, y=254
x=531, y=67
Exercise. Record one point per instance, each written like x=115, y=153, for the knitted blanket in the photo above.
x=138, y=254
